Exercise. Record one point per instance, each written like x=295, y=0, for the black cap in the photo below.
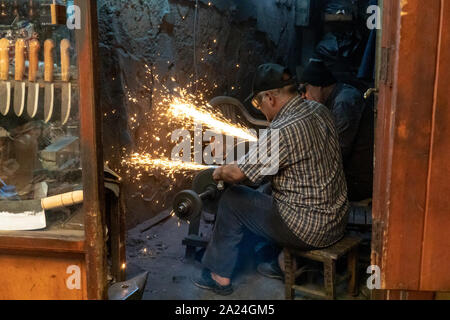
x=317, y=75
x=270, y=76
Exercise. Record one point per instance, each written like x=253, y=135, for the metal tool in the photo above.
x=49, y=97
x=30, y=214
x=19, y=85
x=5, y=85
x=33, y=86
x=66, y=87
x=188, y=204
x=132, y=289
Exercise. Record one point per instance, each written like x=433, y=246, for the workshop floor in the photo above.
x=159, y=251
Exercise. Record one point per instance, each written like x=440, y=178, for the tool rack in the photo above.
x=82, y=250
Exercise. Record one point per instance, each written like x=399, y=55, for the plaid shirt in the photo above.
x=309, y=185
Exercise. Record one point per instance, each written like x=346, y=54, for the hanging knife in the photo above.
x=5, y=85
x=49, y=96
x=66, y=88
x=19, y=85
x=33, y=86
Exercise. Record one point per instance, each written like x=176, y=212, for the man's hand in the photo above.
x=217, y=174
x=229, y=173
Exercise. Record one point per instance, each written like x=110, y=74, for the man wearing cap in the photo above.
x=354, y=123
x=308, y=206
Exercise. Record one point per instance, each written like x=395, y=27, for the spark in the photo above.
x=171, y=166
x=173, y=108
x=185, y=110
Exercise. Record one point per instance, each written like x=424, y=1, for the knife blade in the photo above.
x=5, y=85
x=49, y=95
x=66, y=87
x=19, y=85
x=33, y=86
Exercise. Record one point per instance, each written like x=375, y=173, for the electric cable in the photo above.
x=195, y=46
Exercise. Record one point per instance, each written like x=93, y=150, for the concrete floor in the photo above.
x=160, y=252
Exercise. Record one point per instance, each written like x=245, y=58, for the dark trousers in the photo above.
x=242, y=210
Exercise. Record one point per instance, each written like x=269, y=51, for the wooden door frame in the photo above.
x=92, y=150
x=405, y=119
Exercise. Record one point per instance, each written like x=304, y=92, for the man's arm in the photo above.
x=229, y=173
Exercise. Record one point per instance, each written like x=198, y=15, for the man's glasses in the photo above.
x=257, y=100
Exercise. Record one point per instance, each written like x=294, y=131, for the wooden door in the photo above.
x=411, y=211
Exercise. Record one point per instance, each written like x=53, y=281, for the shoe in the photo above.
x=205, y=281
x=271, y=270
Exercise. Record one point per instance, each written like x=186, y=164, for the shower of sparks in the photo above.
x=171, y=107
x=182, y=110
x=169, y=166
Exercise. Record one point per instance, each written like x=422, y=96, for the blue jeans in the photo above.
x=242, y=210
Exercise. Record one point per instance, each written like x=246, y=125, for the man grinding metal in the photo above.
x=308, y=206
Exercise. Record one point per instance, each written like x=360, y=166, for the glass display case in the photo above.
x=39, y=121
x=55, y=235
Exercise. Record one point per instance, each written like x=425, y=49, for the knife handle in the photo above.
x=20, y=60
x=33, y=60
x=49, y=45
x=4, y=59
x=62, y=200
x=65, y=60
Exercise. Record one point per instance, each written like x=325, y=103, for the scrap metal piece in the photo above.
x=132, y=289
x=60, y=152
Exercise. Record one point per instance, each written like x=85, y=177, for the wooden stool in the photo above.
x=328, y=257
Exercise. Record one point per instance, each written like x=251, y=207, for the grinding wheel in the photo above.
x=203, y=180
x=201, y=183
x=187, y=205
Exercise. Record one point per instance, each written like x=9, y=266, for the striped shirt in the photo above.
x=308, y=185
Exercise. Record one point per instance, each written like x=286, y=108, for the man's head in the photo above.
x=317, y=81
x=273, y=87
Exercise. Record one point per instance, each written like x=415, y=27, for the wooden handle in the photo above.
x=65, y=60
x=54, y=13
x=4, y=59
x=20, y=60
x=33, y=60
x=49, y=45
x=62, y=200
